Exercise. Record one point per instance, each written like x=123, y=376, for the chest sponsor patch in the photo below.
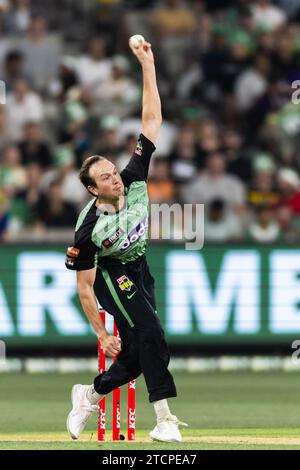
x=124, y=283
x=135, y=234
x=110, y=241
x=73, y=252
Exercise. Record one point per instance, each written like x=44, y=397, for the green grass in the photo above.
x=225, y=410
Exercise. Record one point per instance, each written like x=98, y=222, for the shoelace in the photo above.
x=175, y=420
x=89, y=409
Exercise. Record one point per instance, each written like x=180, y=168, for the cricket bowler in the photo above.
x=109, y=257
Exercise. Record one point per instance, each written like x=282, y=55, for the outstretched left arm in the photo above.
x=151, y=112
x=137, y=168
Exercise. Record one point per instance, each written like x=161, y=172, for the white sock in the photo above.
x=161, y=409
x=93, y=396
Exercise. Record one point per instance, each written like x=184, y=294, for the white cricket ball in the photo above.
x=136, y=40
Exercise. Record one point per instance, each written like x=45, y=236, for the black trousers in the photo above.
x=126, y=291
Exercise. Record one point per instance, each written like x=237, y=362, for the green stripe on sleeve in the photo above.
x=116, y=297
x=83, y=213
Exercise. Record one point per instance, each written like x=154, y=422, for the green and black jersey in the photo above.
x=122, y=235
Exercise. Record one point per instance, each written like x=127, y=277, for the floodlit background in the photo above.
x=230, y=139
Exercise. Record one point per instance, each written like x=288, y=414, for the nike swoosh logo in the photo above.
x=131, y=295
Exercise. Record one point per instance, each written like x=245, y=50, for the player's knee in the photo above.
x=103, y=384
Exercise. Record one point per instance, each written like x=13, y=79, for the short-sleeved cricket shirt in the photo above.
x=122, y=235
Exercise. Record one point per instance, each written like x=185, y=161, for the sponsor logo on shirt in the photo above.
x=135, y=234
x=73, y=252
x=112, y=239
x=124, y=283
x=139, y=148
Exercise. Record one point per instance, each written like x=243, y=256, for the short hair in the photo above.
x=13, y=55
x=84, y=173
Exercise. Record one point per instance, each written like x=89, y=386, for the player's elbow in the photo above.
x=85, y=294
x=84, y=288
x=151, y=128
x=153, y=119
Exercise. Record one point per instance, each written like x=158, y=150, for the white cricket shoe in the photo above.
x=81, y=411
x=167, y=430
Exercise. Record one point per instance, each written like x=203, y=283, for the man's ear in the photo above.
x=92, y=190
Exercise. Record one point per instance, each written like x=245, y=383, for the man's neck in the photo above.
x=110, y=206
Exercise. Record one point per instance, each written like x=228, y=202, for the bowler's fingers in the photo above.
x=112, y=346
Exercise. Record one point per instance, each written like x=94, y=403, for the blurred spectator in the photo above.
x=5, y=40
x=4, y=217
x=166, y=137
x=24, y=207
x=160, y=187
x=252, y=83
x=262, y=191
x=271, y=101
x=66, y=78
x=238, y=163
x=172, y=19
x=12, y=173
x=229, y=122
x=72, y=191
x=222, y=64
x=19, y=17
x=214, y=183
x=53, y=211
x=13, y=68
x=172, y=27
x=23, y=105
x=41, y=54
x=5, y=6
x=264, y=228
x=109, y=142
x=245, y=19
x=184, y=157
x=290, y=7
x=288, y=183
x=4, y=132
x=75, y=113
x=212, y=62
x=221, y=226
x=266, y=42
x=94, y=67
x=267, y=16
x=33, y=147
x=126, y=153
x=286, y=58
x=208, y=140
x=209, y=144
x=118, y=94
x=204, y=28
x=235, y=62
x=190, y=82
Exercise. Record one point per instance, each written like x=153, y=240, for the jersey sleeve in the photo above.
x=138, y=166
x=82, y=255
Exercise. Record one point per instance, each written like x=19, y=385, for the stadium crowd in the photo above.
x=227, y=75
